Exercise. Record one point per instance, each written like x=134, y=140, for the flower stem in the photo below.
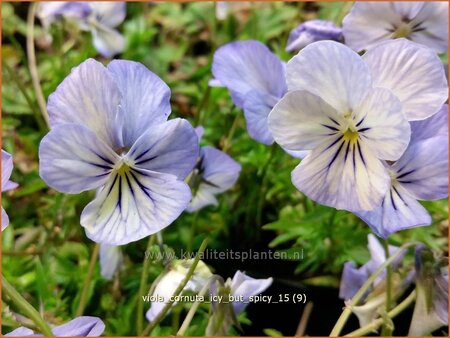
x=32, y=63
x=262, y=191
x=142, y=287
x=385, y=330
x=27, y=309
x=87, y=281
x=376, y=323
x=179, y=289
x=348, y=309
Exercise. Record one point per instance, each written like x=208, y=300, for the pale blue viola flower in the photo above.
x=100, y=18
x=369, y=23
x=311, y=31
x=431, y=307
x=244, y=287
x=7, y=167
x=214, y=173
x=256, y=80
x=351, y=114
x=172, y=279
x=84, y=326
x=109, y=131
x=420, y=174
x=353, y=278
x=111, y=259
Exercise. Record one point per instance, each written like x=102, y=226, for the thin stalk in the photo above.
x=304, y=319
x=392, y=314
x=385, y=330
x=87, y=281
x=347, y=311
x=227, y=142
x=25, y=307
x=202, y=105
x=179, y=289
x=142, y=287
x=32, y=63
x=262, y=191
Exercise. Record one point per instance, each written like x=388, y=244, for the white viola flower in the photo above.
x=172, y=279
x=352, y=116
x=7, y=167
x=111, y=259
x=369, y=23
x=100, y=18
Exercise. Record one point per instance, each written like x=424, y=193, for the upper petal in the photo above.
x=245, y=286
x=146, y=98
x=311, y=31
x=342, y=175
x=109, y=13
x=382, y=124
x=88, y=96
x=243, y=66
x=423, y=168
x=84, y=326
x=73, y=159
x=331, y=71
x=170, y=147
x=134, y=204
x=351, y=281
x=300, y=121
x=413, y=73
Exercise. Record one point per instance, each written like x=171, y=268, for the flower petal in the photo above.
x=219, y=169
x=5, y=219
x=382, y=124
x=311, y=31
x=331, y=71
x=245, y=286
x=342, y=175
x=257, y=107
x=73, y=159
x=433, y=16
x=351, y=281
x=398, y=211
x=243, y=66
x=423, y=169
x=84, y=326
x=7, y=167
x=413, y=73
x=300, y=121
x=107, y=41
x=435, y=125
x=146, y=98
x=110, y=260
x=202, y=198
x=134, y=204
x=20, y=332
x=78, y=100
x=369, y=23
x=170, y=147
x=110, y=14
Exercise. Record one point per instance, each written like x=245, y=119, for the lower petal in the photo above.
x=399, y=211
x=5, y=219
x=342, y=175
x=134, y=204
x=108, y=41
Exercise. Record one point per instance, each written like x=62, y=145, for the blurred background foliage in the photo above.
x=45, y=250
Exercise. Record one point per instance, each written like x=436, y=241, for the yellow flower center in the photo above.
x=402, y=31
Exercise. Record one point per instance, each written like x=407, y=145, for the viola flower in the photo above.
x=172, y=279
x=256, y=80
x=311, y=31
x=215, y=172
x=79, y=327
x=100, y=18
x=352, y=115
x=110, y=132
x=420, y=174
x=110, y=260
x=431, y=308
x=7, y=167
x=369, y=23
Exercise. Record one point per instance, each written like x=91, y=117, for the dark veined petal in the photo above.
x=398, y=211
x=170, y=147
x=73, y=159
x=134, y=204
x=423, y=168
x=244, y=66
x=342, y=174
x=88, y=96
x=146, y=98
x=413, y=73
